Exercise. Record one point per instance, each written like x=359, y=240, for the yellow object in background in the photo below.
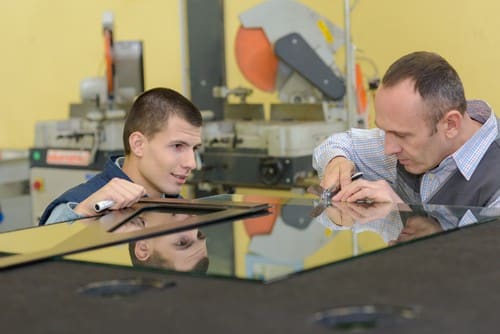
x=41, y=75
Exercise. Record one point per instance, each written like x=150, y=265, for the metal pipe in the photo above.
x=350, y=101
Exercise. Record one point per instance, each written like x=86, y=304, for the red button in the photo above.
x=38, y=185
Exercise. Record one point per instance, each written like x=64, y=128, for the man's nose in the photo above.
x=189, y=160
x=391, y=146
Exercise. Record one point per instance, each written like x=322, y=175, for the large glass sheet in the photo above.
x=293, y=237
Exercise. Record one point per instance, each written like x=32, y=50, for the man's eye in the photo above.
x=182, y=242
x=138, y=220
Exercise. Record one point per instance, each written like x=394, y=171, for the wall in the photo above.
x=49, y=46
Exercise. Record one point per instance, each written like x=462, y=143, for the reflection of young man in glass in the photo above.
x=181, y=251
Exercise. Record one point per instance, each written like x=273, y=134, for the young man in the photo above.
x=431, y=145
x=161, y=134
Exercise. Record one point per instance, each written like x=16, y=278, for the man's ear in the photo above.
x=142, y=250
x=452, y=122
x=136, y=141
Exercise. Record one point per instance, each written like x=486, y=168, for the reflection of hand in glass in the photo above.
x=181, y=251
x=416, y=227
x=347, y=213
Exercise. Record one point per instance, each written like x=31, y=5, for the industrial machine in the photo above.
x=68, y=152
x=293, y=53
x=14, y=189
x=251, y=146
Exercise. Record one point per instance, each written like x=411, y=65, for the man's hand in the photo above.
x=363, y=190
x=338, y=171
x=346, y=213
x=124, y=193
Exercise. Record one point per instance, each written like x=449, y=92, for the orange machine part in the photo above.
x=360, y=90
x=264, y=224
x=255, y=58
x=108, y=54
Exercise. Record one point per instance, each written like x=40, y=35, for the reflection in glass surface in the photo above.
x=289, y=239
x=181, y=251
x=402, y=222
x=146, y=219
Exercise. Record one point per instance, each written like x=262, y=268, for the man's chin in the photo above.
x=413, y=170
x=177, y=191
x=173, y=190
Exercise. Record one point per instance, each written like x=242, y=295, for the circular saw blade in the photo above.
x=255, y=58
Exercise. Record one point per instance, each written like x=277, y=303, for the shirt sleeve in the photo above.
x=63, y=212
x=364, y=147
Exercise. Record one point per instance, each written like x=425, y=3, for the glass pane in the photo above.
x=294, y=236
